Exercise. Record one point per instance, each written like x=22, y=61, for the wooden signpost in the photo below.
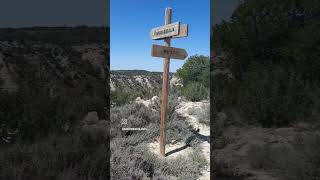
x=167, y=32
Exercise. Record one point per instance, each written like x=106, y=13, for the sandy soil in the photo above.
x=187, y=110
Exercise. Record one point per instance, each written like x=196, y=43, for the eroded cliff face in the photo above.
x=135, y=80
x=140, y=82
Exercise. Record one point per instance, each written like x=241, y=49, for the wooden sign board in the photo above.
x=165, y=31
x=168, y=52
x=183, y=31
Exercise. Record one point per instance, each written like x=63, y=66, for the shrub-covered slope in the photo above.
x=265, y=91
x=127, y=85
x=50, y=79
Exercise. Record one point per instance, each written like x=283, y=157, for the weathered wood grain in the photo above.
x=183, y=31
x=165, y=31
x=165, y=90
x=168, y=52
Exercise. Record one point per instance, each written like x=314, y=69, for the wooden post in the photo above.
x=165, y=88
x=167, y=32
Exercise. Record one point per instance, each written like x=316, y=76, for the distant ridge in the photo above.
x=57, y=35
x=127, y=72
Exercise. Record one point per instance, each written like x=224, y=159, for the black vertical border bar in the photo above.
x=212, y=109
x=107, y=82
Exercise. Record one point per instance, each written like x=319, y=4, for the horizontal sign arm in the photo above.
x=165, y=31
x=168, y=52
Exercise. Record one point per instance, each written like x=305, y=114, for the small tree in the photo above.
x=195, y=77
x=195, y=91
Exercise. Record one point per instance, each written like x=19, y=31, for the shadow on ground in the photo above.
x=196, y=135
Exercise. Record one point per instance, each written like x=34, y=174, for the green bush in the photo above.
x=120, y=97
x=196, y=68
x=268, y=47
x=195, y=91
x=274, y=96
x=195, y=77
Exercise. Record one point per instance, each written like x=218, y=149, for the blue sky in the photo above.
x=132, y=20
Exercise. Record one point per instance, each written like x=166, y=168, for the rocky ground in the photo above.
x=188, y=110
x=253, y=152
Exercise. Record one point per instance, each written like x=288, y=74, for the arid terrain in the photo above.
x=265, y=93
x=53, y=94
x=187, y=126
x=187, y=137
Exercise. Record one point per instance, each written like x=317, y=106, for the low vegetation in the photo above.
x=130, y=156
x=270, y=50
x=42, y=133
x=54, y=157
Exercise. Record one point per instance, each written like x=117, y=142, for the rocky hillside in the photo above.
x=135, y=80
x=53, y=52
x=138, y=83
x=51, y=76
